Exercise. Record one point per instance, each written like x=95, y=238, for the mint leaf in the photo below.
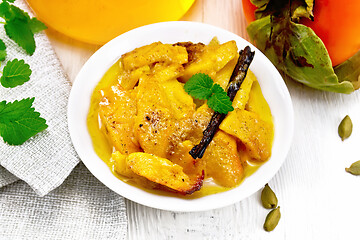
x=18, y=13
x=199, y=86
x=220, y=102
x=19, y=31
x=10, y=12
x=15, y=73
x=20, y=27
x=5, y=10
x=36, y=25
x=216, y=88
x=19, y=121
x=2, y=50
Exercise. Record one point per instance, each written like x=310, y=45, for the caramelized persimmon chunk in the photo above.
x=159, y=170
x=114, y=109
x=154, y=53
x=222, y=160
x=253, y=132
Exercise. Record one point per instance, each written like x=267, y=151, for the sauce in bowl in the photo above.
x=227, y=162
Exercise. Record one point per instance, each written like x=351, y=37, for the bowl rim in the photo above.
x=167, y=32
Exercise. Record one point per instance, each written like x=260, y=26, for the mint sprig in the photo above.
x=19, y=26
x=18, y=120
x=201, y=86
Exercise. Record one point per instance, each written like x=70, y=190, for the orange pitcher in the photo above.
x=98, y=21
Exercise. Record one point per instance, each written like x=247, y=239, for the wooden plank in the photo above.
x=318, y=198
x=225, y=223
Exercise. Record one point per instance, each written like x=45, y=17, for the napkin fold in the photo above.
x=6, y=177
x=45, y=160
x=81, y=208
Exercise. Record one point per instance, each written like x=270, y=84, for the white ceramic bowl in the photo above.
x=271, y=83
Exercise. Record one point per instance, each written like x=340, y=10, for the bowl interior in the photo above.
x=271, y=83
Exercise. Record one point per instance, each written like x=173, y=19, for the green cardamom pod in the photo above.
x=354, y=168
x=272, y=219
x=268, y=198
x=345, y=128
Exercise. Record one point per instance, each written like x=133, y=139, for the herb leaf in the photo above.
x=20, y=27
x=5, y=10
x=216, y=88
x=220, y=102
x=201, y=86
x=2, y=50
x=19, y=31
x=15, y=73
x=19, y=121
x=17, y=13
x=36, y=25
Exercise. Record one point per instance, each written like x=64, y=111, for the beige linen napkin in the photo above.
x=82, y=207
x=6, y=177
x=47, y=159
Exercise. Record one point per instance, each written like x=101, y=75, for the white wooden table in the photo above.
x=318, y=199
